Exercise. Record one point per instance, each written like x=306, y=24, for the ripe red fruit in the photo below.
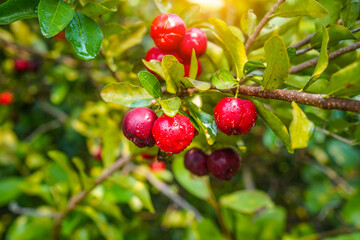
x=157, y=166
x=196, y=162
x=193, y=39
x=148, y=156
x=21, y=65
x=235, y=116
x=173, y=134
x=187, y=69
x=137, y=125
x=224, y=163
x=167, y=31
x=6, y=98
x=60, y=36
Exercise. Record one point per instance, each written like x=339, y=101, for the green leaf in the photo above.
x=223, y=79
x=199, y=85
x=205, y=121
x=351, y=209
x=352, y=236
x=170, y=106
x=252, y=66
x=155, y=66
x=110, y=133
x=322, y=61
x=346, y=81
x=9, y=189
x=278, y=64
x=126, y=94
x=295, y=8
x=86, y=181
x=164, y=6
x=173, y=73
x=95, y=9
x=336, y=33
x=246, y=201
x=150, y=83
x=193, y=65
x=291, y=53
x=350, y=13
x=137, y=187
x=197, y=186
x=232, y=44
x=248, y=22
x=14, y=10
x=275, y=124
x=54, y=16
x=85, y=36
x=206, y=229
x=22, y=228
x=301, y=128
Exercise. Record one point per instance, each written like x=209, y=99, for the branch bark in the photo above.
x=74, y=201
x=260, y=26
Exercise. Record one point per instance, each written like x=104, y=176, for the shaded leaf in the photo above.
x=14, y=10
x=295, y=8
x=223, y=79
x=199, y=85
x=54, y=16
x=9, y=190
x=350, y=13
x=150, y=83
x=170, y=106
x=95, y=9
x=301, y=128
x=291, y=53
x=252, y=65
x=336, y=33
x=126, y=94
x=173, y=73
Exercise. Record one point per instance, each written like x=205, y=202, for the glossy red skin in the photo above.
x=193, y=39
x=187, y=69
x=224, y=163
x=173, y=134
x=235, y=116
x=196, y=162
x=137, y=126
x=167, y=31
x=6, y=98
x=157, y=53
x=157, y=166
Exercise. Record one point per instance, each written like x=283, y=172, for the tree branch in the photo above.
x=302, y=42
x=332, y=55
x=260, y=26
x=75, y=200
x=340, y=138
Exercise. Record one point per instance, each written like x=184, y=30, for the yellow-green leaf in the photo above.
x=173, y=73
x=170, y=106
x=301, y=128
x=295, y=8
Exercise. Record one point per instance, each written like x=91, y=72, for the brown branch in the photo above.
x=260, y=26
x=302, y=42
x=332, y=55
x=74, y=201
x=340, y=138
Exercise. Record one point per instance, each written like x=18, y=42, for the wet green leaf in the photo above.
x=295, y=8
x=85, y=36
x=301, y=128
x=150, y=83
x=54, y=16
x=14, y=10
x=126, y=94
x=170, y=106
x=223, y=79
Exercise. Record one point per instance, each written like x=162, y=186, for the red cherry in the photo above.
x=6, y=98
x=173, y=134
x=187, y=68
x=234, y=116
x=224, y=163
x=21, y=65
x=157, y=166
x=137, y=126
x=194, y=39
x=60, y=36
x=147, y=156
x=196, y=162
x=167, y=31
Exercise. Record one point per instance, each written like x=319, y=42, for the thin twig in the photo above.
x=53, y=111
x=43, y=129
x=302, y=42
x=332, y=55
x=75, y=200
x=340, y=138
x=108, y=67
x=260, y=26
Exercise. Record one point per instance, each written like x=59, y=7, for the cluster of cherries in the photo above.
x=171, y=38
x=172, y=135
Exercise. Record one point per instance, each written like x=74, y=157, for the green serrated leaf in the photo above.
x=295, y=8
x=14, y=10
x=277, y=69
x=199, y=85
x=275, y=124
x=173, y=73
x=246, y=201
x=170, y=106
x=205, y=121
x=232, y=44
x=223, y=79
x=54, y=16
x=85, y=36
x=301, y=128
x=150, y=83
x=126, y=94
x=252, y=65
x=323, y=59
x=193, y=65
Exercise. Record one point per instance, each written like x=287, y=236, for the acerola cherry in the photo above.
x=167, y=31
x=194, y=39
x=6, y=98
x=148, y=156
x=235, y=116
x=60, y=36
x=21, y=65
x=224, y=163
x=137, y=125
x=187, y=68
x=157, y=166
x=196, y=162
x=173, y=134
